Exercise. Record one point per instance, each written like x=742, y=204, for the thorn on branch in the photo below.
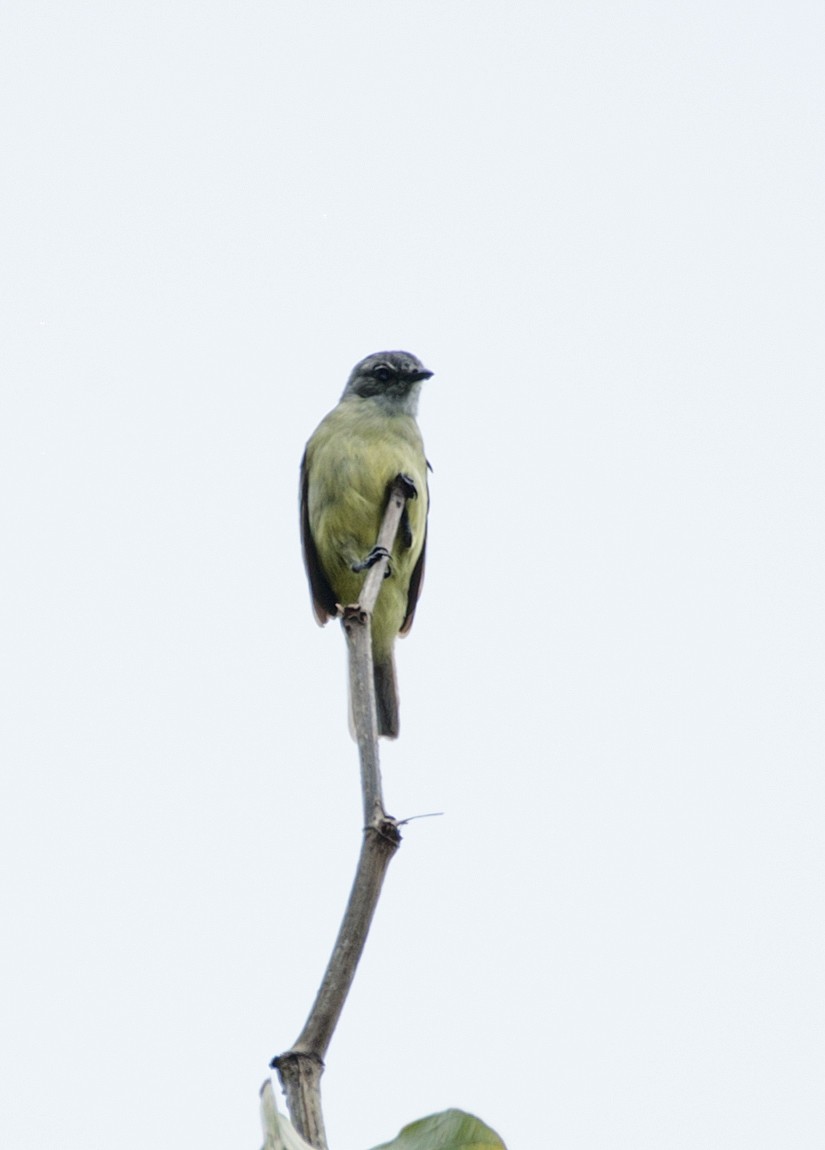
x=411, y=818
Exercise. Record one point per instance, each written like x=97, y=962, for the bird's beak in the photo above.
x=423, y=374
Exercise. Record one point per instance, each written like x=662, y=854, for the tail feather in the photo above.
x=386, y=698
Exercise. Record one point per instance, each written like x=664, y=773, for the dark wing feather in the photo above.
x=416, y=582
x=417, y=577
x=323, y=599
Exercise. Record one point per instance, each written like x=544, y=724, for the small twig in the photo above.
x=300, y=1068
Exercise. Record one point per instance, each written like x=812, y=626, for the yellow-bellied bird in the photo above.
x=351, y=460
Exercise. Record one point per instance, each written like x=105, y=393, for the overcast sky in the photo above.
x=601, y=226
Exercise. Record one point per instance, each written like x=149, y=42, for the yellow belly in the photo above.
x=352, y=458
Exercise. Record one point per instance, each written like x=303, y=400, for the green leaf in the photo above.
x=450, y=1130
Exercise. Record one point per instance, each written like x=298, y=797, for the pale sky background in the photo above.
x=601, y=225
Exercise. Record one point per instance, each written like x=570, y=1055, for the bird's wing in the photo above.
x=417, y=577
x=323, y=598
x=416, y=582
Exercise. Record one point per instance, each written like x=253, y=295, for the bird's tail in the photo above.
x=386, y=698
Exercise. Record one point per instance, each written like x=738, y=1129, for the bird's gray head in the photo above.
x=392, y=377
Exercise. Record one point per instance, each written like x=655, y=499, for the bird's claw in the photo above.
x=373, y=557
x=408, y=486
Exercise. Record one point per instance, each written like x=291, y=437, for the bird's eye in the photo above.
x=382, y=372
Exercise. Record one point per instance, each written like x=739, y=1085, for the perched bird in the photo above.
x=350, y=461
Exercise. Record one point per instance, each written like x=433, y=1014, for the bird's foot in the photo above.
x=370, y=561
x=408, y=485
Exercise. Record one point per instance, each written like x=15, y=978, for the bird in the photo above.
x=351, y=459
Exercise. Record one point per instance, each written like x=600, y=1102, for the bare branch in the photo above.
x=358, y=629
x=378, y=847
x=300, y=1068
